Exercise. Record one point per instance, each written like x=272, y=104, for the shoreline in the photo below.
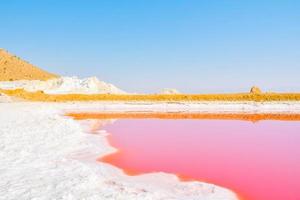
x=254, y=117
x=169, y=108
x=65, y=162
x=69, y=145
x=182, y=107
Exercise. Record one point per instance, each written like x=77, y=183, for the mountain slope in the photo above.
x=13, y=68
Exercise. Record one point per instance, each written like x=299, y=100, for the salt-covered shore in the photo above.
x=45, y=155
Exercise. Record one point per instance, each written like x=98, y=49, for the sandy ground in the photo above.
x=45, y=155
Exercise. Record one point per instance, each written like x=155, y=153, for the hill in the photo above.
x=13, y=68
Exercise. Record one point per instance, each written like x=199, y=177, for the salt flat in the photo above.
x=45, y=155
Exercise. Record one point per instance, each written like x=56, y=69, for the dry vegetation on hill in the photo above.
x=13, y=68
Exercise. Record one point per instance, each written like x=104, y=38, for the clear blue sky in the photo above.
x=195, y=46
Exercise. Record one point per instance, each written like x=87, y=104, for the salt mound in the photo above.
x=255, y=90
x=64, y=85
x=169, y=91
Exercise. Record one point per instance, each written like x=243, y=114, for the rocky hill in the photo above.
x=13, y=68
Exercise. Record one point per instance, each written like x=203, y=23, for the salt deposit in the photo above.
x=4, y=98
x=47, y=156
x=64, y=85
x=169, y=91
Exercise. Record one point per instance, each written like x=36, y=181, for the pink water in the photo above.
x=258, y=161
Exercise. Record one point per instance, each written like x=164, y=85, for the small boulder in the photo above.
x=255, y=90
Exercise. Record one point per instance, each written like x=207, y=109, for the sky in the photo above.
x=195, y=46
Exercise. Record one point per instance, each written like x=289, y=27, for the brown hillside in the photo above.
x=13, y=68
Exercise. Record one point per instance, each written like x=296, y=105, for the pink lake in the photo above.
x=258, y=161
